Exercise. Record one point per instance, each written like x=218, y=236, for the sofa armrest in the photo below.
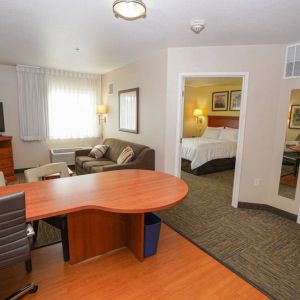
x=83, y=152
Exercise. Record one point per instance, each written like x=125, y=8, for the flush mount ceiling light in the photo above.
x=129, y=9
x=197, y=26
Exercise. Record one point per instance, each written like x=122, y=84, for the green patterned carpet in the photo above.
x=261, y=247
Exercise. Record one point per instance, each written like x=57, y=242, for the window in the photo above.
x=292, y=68
x=72, y=108
x=57, y=104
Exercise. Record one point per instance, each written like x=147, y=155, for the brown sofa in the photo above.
x=144, y=158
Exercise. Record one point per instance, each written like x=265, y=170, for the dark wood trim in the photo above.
x=212, y=101
x=270, y=209
x=18, y=171
x=226, y=121
x=137, y=90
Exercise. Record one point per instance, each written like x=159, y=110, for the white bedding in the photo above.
x=201, y=150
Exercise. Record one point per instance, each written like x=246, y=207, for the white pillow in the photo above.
x=212, y=132
x=229, y=134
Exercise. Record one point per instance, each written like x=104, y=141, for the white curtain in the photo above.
x=57, y=104
x=72, y=100
x=32, y=89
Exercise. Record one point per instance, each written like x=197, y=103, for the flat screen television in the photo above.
x=2, y=126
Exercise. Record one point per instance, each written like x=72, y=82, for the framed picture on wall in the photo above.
x=235, y=100
x=220, y=101
x=129, y=110
x=294, y=122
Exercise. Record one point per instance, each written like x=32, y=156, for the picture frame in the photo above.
x=220, y=101
x=294, y=120
x=235, y=100
x=129, y=110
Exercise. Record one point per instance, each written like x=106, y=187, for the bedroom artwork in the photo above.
x=220, y=101
x=235, y=100
x=295, y=117
x=128, y=110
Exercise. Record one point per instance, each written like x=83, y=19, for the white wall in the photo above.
x=149, y=74
x=26, y=154
x=265, y=66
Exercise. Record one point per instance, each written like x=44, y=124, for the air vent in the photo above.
x=110, y=88
x=292, y=63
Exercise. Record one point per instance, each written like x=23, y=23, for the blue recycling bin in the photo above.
x=151, y=234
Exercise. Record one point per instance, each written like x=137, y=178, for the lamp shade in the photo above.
x=101, y=109
x=198, y=112
x=129, y=9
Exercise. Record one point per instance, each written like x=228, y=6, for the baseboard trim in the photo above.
x=268, y=208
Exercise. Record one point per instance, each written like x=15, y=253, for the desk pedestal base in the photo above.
x=95, y=232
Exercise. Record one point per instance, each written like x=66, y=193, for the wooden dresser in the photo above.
x=6, y=158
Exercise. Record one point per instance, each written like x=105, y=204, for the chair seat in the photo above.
x=87, y=166
x=80, y=160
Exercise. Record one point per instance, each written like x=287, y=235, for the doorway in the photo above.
x=221, y=103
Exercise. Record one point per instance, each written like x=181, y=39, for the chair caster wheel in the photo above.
x=34, y=289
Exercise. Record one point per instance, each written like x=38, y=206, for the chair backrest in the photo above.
x=2, y=179
x=14, y=244
x=35, y=174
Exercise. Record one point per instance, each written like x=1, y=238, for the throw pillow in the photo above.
x=98, y=151
x=126, y=155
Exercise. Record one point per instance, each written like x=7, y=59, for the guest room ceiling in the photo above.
x=47, y=32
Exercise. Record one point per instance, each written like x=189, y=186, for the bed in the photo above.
x=201, y=155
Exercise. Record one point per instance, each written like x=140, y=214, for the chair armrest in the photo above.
x=83, y=152
x=30, y=231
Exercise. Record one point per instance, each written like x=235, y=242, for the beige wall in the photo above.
x=201, y=97
x=149, y=74
x=265, y=66
x=190, y=127
x=26, y=154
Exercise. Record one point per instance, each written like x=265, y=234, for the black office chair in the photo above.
x=14, y=238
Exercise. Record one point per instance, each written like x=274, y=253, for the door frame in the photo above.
x=242, y=124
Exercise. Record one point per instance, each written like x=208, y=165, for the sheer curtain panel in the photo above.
x=72, y=100
x=33, y=106
x=57, y=104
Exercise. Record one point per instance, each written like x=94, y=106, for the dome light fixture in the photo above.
x=129, y=9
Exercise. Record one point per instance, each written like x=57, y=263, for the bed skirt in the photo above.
x=213, y=166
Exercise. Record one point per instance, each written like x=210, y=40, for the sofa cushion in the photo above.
x=96, y=163
x=126, y=156
x=117, y=146
x=98, y=151
x=80, y=160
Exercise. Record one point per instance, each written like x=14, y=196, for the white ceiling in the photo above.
x=46, y=32
x=209, y=81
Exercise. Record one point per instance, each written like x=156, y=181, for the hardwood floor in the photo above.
x=180, y=270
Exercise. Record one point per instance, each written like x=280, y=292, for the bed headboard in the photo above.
x=226, y=121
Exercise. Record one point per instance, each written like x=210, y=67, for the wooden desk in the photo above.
x=105, y=210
